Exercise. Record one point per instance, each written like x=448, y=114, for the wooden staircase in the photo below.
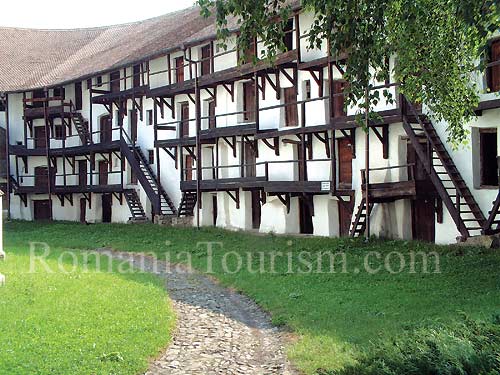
x=444, y=174
x=15, y=188
x=188, y=203
x=161, y=202
x=81, y=127
x=358, y=226
x=135, y=206
x=492, y=225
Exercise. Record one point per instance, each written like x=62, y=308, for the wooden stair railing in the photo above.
x=188, y=203
x=135, y=205
x=492, y=225
x=161, y=202
x=444, y=174
x=81, y=125
x=358, y=226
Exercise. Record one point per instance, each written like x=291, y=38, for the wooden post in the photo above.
x=2, y=253
x=367, y=163
x=157, y=153
x=7, y=144
x=198, y=149
x=47, y=151
x=257, y=113
x=297, y=39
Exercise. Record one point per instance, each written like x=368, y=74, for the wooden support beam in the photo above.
x=231, y=144
x=318, y=79
x=285, y=200
x=191, y=151
x=230, y=89
x=351, y=134
x=263, y=197
x=273, y=85
x=235, y=197
x=288, y=76
x=383, y=138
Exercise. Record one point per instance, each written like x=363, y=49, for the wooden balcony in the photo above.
x=224, y=76
x=52, y=112
x=70, y=189
x=21, y=150
x=229, y=131
x=383, y=192
x=112, y=97
x=225, y=184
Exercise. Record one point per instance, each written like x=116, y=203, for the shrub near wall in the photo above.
x=466, y=348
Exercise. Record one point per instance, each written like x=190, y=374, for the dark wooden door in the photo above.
x=301, y=162
x=206, y=57
x=256, y=209
x=250, y=160
x=42, y=210
x=78, y=96
x=83, y=210
x=291, y=112
x=495, y=70
x=423, y=206
x=345, y=163
x=306, y=223
x=82, y=172
x=38, y=94
x=345, y=217
x=249, y=101
x=133, y=125
x=423, y=219
x=185, y=119
x=106, y=129
x=41, y=177
x=179, y=69
x=137, y=76
x=214, y=210
x=106, y=208
x=212, y=121
x=338, y=109
x=40, y=137
x=189, y=168
x=103, y=172
x=115, y=81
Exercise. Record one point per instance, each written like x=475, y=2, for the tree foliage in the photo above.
x=438, y=45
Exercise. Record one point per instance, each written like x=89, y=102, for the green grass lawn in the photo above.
x=335, y=316
x=83, y=322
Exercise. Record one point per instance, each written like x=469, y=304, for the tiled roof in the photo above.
x=32, y=58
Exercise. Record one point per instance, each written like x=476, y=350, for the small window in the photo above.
x=149, y=117
x=2, y=106
x=151, y=157
x=288, y=37
x=99, y=81
x=59, y=92
x=89, y=83
x=488, y=157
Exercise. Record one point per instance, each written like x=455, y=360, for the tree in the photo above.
x=437, y=44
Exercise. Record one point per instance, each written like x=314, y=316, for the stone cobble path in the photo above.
x=218, y=331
